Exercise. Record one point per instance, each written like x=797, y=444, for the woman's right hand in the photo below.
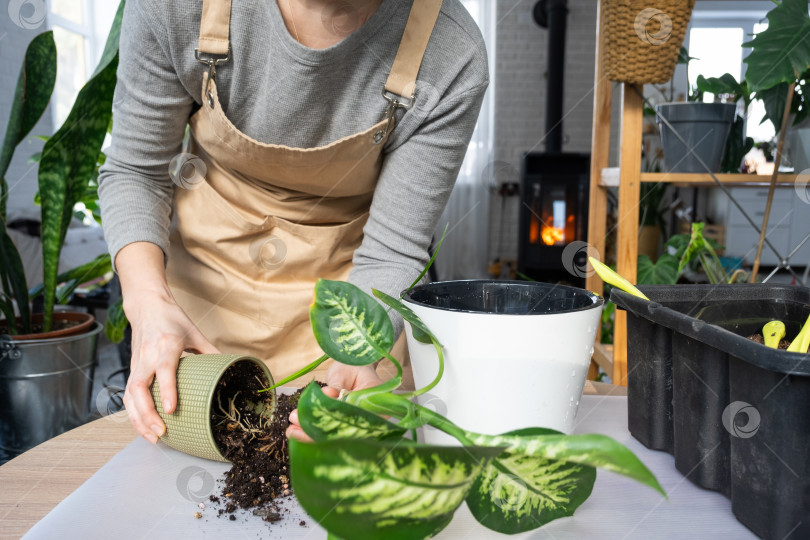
x=161, y=332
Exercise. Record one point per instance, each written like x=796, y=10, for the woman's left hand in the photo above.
x=338, y=377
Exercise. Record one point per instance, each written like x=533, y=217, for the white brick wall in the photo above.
x=21, y=175
x=520, y=85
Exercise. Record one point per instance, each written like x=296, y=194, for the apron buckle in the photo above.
x=394, y=103
x=212, y=61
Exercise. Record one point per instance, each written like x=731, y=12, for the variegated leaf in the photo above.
x=69, y=159
x=324, y=418
x=383, y=490
x=421, y=333
x=519, y=492
x=348, y=324
x=31, y=97
x=544, y=475
x=592, y=449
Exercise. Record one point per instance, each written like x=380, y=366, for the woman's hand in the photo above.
x=161, y=331
x=338, y=377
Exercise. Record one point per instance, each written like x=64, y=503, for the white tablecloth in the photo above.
x=152, y=491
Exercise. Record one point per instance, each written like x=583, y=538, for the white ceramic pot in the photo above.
x=516, y=353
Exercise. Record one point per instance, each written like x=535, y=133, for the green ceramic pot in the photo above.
x=188, y=429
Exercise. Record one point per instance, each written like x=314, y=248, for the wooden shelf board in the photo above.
x=725, y=178
x=610, y=178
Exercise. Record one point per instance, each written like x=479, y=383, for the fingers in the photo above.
x=331, y=392
x=294, y=430
x=166, y=374
x=135, y=396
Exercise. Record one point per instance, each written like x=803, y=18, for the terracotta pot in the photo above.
x=82, y=323
x=188, y=429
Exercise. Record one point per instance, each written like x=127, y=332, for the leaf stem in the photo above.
x=438, y=377
x=300, y=373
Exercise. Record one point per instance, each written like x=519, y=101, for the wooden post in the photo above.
x=629, y=194
x=600, y=158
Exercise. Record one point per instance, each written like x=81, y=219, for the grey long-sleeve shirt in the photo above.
x=278, y=91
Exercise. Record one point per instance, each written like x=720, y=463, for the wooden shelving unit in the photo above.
x=613, y=359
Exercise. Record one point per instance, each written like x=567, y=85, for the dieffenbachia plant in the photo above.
x=364, y=478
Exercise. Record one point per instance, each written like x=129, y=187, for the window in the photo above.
x=80, y=29
x=715, y=37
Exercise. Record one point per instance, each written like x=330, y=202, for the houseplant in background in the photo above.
x=45, y=378
x=703, y=126
x=738, y=144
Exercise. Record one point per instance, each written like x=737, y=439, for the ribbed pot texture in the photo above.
x=188, y=429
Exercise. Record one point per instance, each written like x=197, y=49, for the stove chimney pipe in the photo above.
x=552, y=14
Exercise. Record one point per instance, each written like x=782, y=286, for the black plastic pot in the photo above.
x=704, y=127
x=734, y=413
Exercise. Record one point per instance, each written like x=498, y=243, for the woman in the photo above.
x=324, y=140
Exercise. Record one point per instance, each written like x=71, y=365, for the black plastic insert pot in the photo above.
x=734, y=413
x=502, y=296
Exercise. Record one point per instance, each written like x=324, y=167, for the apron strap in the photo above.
x=402, y=78
x=214, y=28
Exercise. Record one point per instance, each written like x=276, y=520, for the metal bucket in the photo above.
x=45, y=387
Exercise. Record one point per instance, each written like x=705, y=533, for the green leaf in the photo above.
x=663, y=272
x=383, y=490
x=116, y=321
x=544, y=475
x=697, y=243
x=31, y=97
x=69, y=159
x=88, y=271
x=349, y=325
x=781, y=52
x=737, y=146
x=725, y=84
x=774, y=99
x=521, y=490
x=421, y=333
x=12, y=276
x=324, y=418
x=683, y=56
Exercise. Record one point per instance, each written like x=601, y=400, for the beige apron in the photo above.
x=249, y=242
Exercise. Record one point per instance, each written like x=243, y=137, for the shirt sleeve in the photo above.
x=412, y=191
x=150, y=111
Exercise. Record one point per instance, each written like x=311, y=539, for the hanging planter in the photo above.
x=641, y=39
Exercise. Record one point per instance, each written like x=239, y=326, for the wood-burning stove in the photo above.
x=553, y=215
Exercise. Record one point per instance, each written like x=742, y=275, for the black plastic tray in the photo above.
x=734, y=413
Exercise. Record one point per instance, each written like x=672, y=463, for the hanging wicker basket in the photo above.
x=641, y=39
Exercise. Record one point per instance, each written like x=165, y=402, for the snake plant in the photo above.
x=364, y=477
x=67, y=162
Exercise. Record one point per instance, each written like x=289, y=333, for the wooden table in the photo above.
x=32, y=484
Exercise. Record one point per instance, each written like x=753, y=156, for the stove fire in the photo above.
x=554, y=213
